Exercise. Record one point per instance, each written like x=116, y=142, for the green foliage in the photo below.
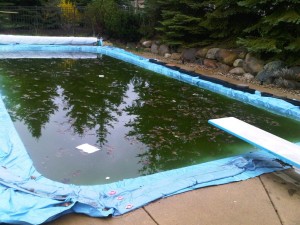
x=266, y=27
x=180, y=23
x=260, y=45
x=115, y=18
x=276, y=31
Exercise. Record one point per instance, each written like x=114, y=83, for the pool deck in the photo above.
x=271, y=199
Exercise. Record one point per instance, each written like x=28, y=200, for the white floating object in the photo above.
x=88, y=148
x=101, y=76
x=107, y=178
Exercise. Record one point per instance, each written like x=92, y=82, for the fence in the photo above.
x=54, y=21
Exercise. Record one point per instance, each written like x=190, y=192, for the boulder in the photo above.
x=154, y=48
x=189, y=54
x=267, y=75
x=237, y=70
x=146, y=44
x=238, y=63
x=210, y=63
x=226, y=56
x=163, y=49
x=274, y=65
x=295, y=69
x=176, y=56
x=287, y=83
x=252, y=65
x=211, y=53
x=201, y=53
x=223, y=67
x=200, y=61
x=248, y=76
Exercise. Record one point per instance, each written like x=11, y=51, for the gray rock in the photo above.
x=211, y=53
x=146, y=44
x=163, y=49
x=265, y=76
x=154, y=48
x=176, y=56
x=201, y=53
x=287, y=83
x=252, y=65
x=296, y=69
x=189, y=54
x=223, y=67
x=226, y=56
x=271, y=71
x=287, y=74
x=237, y=70
x=274, y=65
x=248, y=76
x=200, y=61
x=238, y=63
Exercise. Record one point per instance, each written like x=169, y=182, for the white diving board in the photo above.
x=284, y=150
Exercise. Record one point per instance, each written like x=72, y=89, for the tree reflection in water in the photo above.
x=142, y=122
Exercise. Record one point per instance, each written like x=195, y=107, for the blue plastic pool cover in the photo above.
x=29, y=198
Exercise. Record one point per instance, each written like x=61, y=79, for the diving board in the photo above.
x=284, y=150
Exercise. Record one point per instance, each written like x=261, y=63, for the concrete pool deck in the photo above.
x=270, y=199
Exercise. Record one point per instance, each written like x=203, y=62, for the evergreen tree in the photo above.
x=226, y=20
x=276, y=33
x=151, y=16
x=181, y=22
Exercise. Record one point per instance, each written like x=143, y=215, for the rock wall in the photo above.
x=237, y=62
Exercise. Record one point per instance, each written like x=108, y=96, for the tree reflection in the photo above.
x=34, y=90
x=91, y=100
x=173, y=122
x=166, y=120
x=28, y=97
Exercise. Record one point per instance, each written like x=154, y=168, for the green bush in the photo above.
x=115, y=20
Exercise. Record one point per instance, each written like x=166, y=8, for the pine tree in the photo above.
x=180, y=23
x=226, y=20
x=276, y=33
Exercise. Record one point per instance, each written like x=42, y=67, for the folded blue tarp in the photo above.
x=29, y=198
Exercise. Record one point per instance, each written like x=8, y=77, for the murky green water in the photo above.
x=142, y=122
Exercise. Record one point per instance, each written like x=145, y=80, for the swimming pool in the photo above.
x=24, y=188
x=141, y=122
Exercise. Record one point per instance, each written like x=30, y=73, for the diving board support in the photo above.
x=284, y=150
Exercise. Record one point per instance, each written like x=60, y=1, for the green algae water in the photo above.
x=141, y=121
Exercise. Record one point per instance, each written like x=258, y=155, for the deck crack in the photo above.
x=150, y=216
x=276, y=210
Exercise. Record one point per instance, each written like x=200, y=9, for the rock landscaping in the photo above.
x=235, y=62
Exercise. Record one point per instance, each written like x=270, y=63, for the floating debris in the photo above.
x=87, y=148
